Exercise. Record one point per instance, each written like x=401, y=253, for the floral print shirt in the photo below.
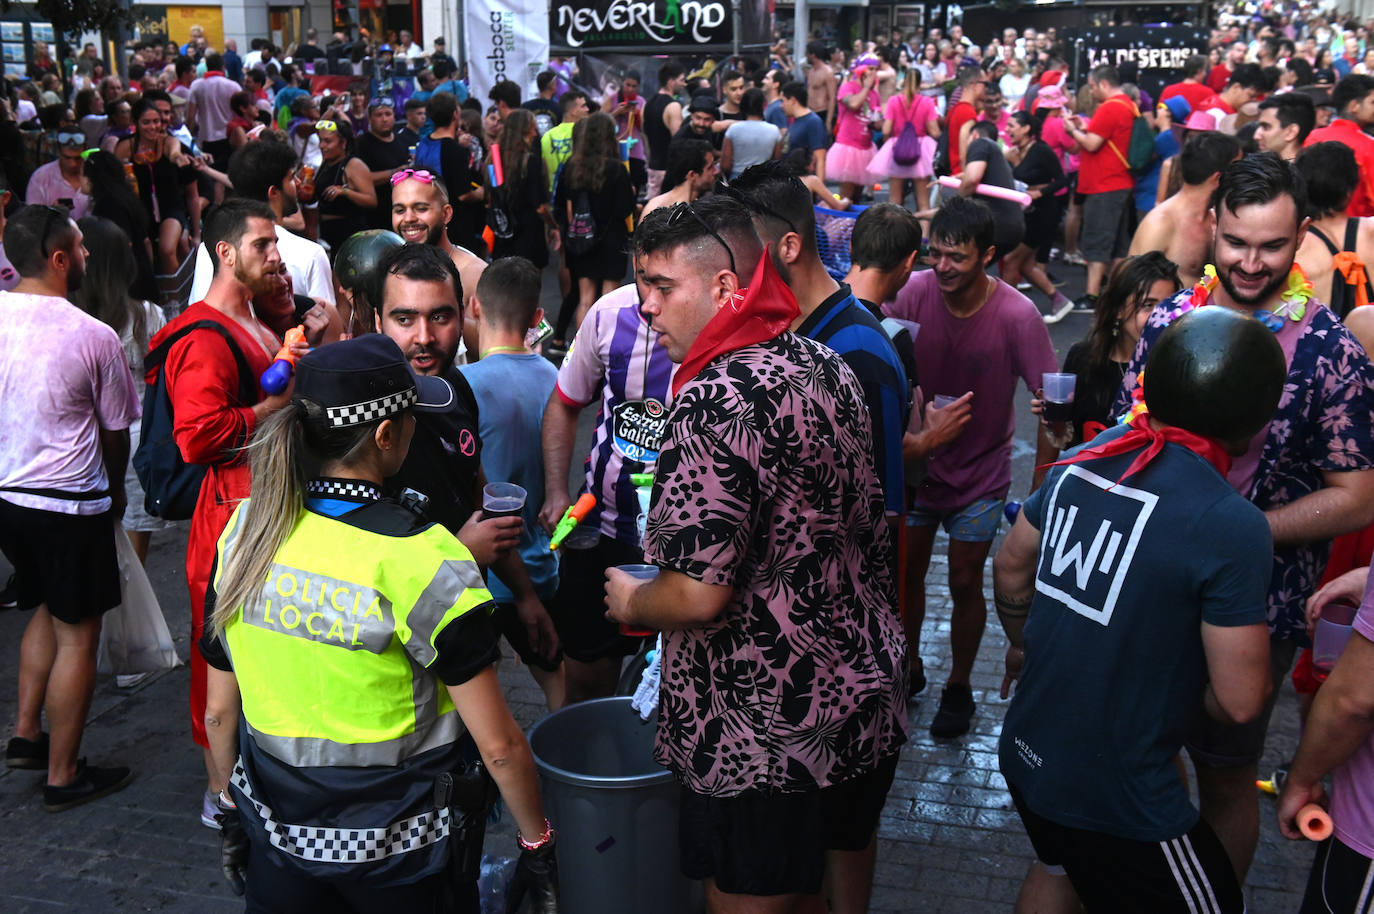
x=1324, y=423
x=766, y=484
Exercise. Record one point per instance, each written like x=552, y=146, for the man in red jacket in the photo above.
x=211, y=423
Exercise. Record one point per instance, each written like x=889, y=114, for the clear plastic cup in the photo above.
x=502, y=499
x=583, y=536
x=643, y=573
x=1058, y=389
x=943, y=400
x=1332, y=634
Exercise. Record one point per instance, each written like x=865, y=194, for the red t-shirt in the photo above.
x=1349, y=133
x=1106, y=169
x=1193, y=93
x=1217, y=77
x=1215, y=102
x=960, y=115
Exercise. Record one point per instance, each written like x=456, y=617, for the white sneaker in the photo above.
x=1023, y=286
x=208, y=810
x=1058, y=314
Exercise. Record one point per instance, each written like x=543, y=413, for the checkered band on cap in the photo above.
x=371, y=410
x=346, y=845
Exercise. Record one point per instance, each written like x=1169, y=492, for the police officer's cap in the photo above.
x=1215, y=372
x=366, y=380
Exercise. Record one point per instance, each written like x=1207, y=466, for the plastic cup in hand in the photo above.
x=943, y=400
x=644, y=573
x=502, y=499
x=583, y=537
x=1332, y=633
x=1058, y=390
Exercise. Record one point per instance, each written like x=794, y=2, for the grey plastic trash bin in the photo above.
x=615, y=810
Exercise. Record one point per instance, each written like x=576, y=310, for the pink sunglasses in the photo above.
x=419, y=174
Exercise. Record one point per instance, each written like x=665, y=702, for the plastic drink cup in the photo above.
x=502, y=499
x=644, y=573
x=583, y=537
x=943, y=400
x=1332, y=634
x=1058, y=389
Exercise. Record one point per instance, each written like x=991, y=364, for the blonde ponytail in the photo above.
x=277, y=461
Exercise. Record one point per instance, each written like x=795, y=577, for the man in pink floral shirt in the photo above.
x=783, y=704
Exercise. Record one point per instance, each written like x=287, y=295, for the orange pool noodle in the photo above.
x=1314, y=822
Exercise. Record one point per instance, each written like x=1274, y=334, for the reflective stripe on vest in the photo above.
x=332, y=652
x=345, y=845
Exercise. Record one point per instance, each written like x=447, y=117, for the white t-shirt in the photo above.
x=305, y=260
x=63, y=379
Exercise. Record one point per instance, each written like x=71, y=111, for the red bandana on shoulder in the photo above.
x=1143, y=435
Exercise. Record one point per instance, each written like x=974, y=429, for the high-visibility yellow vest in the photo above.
x=331, y=654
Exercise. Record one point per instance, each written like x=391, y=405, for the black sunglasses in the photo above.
x=682, y=210
x=751, y=201
x=51, y=214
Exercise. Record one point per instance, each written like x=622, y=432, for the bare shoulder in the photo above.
x=470, y=268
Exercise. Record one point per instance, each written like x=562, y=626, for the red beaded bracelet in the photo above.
x=545, y=838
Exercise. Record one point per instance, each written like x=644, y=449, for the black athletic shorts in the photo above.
x=1184, y=875
x=579, y=606
x=64, y=561
x=1342, y=880
x=775, y=844
x=506, y=621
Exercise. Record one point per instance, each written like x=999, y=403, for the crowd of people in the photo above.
x=809, y=431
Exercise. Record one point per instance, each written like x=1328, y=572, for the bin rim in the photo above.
x=572, y=778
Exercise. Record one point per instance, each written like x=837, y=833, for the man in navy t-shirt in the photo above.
x=1132, y=588
x=807, y=139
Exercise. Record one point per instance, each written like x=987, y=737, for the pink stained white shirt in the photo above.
x=64, y=378
x=47, y=186
x=1352, y=782
x=210, y=94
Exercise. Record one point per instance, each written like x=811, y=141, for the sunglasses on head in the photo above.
x=419, y=174
x=682, y=211
x=326, y=125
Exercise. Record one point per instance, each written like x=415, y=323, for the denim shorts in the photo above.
x=975, y=523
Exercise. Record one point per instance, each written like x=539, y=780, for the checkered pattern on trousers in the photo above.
x=346, y=845
x=371, y=410
x=351, y=489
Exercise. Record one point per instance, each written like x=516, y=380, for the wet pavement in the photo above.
x=949, y=838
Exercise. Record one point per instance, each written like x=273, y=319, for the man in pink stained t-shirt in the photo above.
x=1339, y=739
x=978, y=336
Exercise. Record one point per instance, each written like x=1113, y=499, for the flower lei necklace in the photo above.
x=1297, y=291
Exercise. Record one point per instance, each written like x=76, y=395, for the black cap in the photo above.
x=366, y=380
x=704, y=102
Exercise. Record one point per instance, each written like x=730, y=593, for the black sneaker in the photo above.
x=27, y=753
x=9, y=596
x=91, y=783
x=955, y=713
x=1086, y=304
x=916, y=681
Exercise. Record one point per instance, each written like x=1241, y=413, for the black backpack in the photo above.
x=582, y=230
x=502, y=220
x=171, y=485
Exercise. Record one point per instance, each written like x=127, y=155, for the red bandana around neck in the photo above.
x=753, y=314
x=1142, y=435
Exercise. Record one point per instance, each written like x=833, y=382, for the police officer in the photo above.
x=355, y=638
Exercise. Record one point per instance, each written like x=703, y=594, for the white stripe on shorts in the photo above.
x=1193, y=885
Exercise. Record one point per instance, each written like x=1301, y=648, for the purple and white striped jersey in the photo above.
x=617, y=352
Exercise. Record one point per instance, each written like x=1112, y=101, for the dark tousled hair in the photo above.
x=960, y=220
x=1293, y=108
x=509, y=292
x=256, y=168
x=1259, y=179
x=229, y=220
x=685, y=156
x=667, y=228
x=34, y=234
x=1207, y=154
x=779, y=199
x=1330, y=172
x=423, y=262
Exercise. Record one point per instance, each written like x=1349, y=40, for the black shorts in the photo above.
x=64, y=561
x=579, y=606
x=1340, y=880
x=775, y=844
x=1221, y=745
x=1183, y=875
x=639, y=178
x=507, y=622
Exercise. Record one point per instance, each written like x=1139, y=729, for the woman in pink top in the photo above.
x=908, y=107
x=1051, y=104
x=849, y=157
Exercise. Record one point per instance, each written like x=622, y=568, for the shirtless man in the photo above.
x=820, y=83
x=692, y=170
x=1330, y=173
x=1181, y=226
x=420, y=212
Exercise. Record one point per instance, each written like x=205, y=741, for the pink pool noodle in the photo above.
x=991, y=190
x=1314, y=822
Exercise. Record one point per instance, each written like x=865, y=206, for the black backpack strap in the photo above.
x=247, y=383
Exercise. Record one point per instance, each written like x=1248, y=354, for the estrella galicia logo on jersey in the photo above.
x=1092, y=528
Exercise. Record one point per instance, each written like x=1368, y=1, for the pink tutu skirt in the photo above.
x=848, y=164
x=883, y=166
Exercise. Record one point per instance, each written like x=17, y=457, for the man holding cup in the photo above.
x=978, y=336
x=783, y=701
